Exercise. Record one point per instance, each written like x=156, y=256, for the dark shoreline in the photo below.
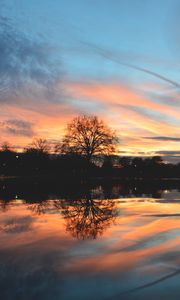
x=44, y=187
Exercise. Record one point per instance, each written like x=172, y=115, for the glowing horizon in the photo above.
x=69, y=60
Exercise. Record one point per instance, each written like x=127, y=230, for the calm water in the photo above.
x=97, y=241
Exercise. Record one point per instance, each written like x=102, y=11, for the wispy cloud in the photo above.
x=18, y=127
x=169, y=152
x=47, y=88
x=163, y=138
x=24, y=62
x=110, y=55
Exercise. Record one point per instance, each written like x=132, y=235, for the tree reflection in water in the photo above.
x=4, y=205
x=87, y=218
x=40, y=208
x=88, y=209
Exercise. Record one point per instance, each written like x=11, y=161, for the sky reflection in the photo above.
x=54, y=252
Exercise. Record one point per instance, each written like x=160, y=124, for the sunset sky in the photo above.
x=117, y=59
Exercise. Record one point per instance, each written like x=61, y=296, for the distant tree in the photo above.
x=6, y=147
x=154, y=161
x=36, y=156
x=8, y=161
x=125, y=161
x=88, y=136
x=157, y=160
x=39, y=145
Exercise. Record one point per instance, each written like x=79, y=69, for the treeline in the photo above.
x=36, y=190
x=37, y=160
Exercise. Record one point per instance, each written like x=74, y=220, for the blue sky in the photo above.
x=64, y=57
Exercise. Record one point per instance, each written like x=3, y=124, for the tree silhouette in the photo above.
x=36, y=157
x=87, y=218
x=6, y=147
x=39, y=145
x=8, y=161
x=88, y=136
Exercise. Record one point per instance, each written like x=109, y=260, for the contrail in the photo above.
x=112, y=57
x=177, y=272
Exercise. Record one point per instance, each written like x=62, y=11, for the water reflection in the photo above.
x=88, y=209
x=84, y=218
x=88, y=218
x=90, y=241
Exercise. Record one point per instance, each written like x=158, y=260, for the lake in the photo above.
x=97, y=240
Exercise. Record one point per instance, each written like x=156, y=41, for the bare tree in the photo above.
x=88, y=136
x=6, y=147
x=39, y=145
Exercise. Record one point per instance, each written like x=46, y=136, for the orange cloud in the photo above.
x=117, y=94
x=132, y=115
